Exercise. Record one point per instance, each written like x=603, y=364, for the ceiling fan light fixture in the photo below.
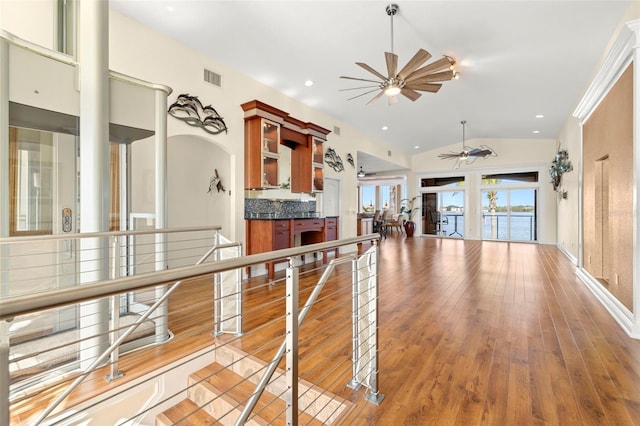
x=392, y=89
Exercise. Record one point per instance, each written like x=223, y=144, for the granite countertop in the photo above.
x=277, y=216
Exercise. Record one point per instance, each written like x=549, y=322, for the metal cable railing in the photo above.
x=326, y=354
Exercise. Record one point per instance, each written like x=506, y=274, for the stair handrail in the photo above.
x=268, y=374
x=11, y=307
x=26, y=304
x=116, y=344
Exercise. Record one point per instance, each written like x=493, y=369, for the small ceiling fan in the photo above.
x=411, y=79
x=468, y=155
x=362, y=173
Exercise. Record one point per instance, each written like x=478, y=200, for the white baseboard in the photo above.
x=623, y=316
x=571, y=257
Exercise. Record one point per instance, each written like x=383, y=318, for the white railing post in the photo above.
x=292, y=328
x=227, y=294
x=114, y=358
x=354, y=383
x=161, y=207
x=374, y=394
x=365, y=325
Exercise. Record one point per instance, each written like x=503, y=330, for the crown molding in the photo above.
x=624, y=51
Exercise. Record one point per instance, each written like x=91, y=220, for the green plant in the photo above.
x=407, y=207
x=560, y=165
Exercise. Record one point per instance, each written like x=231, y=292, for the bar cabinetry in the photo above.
x=267, y=131
x=264, y=235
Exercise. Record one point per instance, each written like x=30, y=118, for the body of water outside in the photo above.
x=522, y=226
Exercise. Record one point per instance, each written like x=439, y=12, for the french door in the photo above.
x=509, y=214
x=443, y=213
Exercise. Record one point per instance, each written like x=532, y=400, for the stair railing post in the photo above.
x=374, y=394
x=355, y=339
x=114, y=360
x=292, y=328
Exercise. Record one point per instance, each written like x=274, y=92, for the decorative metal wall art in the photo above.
x=333, y=160
x=190, y=110
x=350, y=160
x=215, y=182
x=560, y=165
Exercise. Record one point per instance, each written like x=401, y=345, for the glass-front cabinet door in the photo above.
x=270, y=156
x=318, y=165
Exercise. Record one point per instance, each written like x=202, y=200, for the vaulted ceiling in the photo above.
x=516, y=59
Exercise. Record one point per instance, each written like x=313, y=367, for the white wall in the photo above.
x=138, y=51
x=192, y=161
x=568, y=233
x=32, y=20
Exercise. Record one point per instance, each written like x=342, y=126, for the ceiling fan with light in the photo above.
x=362, y=173
x=411, y=79
x=468, y=155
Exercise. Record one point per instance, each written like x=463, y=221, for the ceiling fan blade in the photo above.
x=439, y=65
x=365, y=93
x=449, y=156
x=424, y=87
x=392, y=63
x=359, y=79
x=376, y=97
x=409, y=93
x=371, y=70
x=418, y=59
x=439, y=76
x=356, y=88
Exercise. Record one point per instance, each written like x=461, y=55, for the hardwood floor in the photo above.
x=496, y=333
x=470, y=333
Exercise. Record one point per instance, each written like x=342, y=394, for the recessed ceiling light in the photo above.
x=536, y=131
x=308, y=83
x=385, y=128
x=539, y=116
x=170, y=8
x=416, y=147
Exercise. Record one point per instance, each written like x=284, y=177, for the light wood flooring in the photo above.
x=499, y=334
x=475, y=332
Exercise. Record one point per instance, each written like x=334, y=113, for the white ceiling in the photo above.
x=516, y=59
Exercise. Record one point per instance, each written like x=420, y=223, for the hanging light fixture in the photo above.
x=361, y=173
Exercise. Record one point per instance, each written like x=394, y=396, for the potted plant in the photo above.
x=407, y=208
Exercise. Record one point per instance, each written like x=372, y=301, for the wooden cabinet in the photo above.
x=261, y=153
x=267, y=130
x=268, y=235
x=276, y=234
x=281, y=234
x=330, y=234
x=318, y=164
x=331, y=229
x=307, y=166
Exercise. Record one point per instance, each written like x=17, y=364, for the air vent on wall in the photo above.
x=212, y=77
x=336, y=130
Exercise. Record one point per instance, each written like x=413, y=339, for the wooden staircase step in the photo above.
x=184, y=413
x=215, y=380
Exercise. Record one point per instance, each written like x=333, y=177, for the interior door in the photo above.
x=331, y=197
